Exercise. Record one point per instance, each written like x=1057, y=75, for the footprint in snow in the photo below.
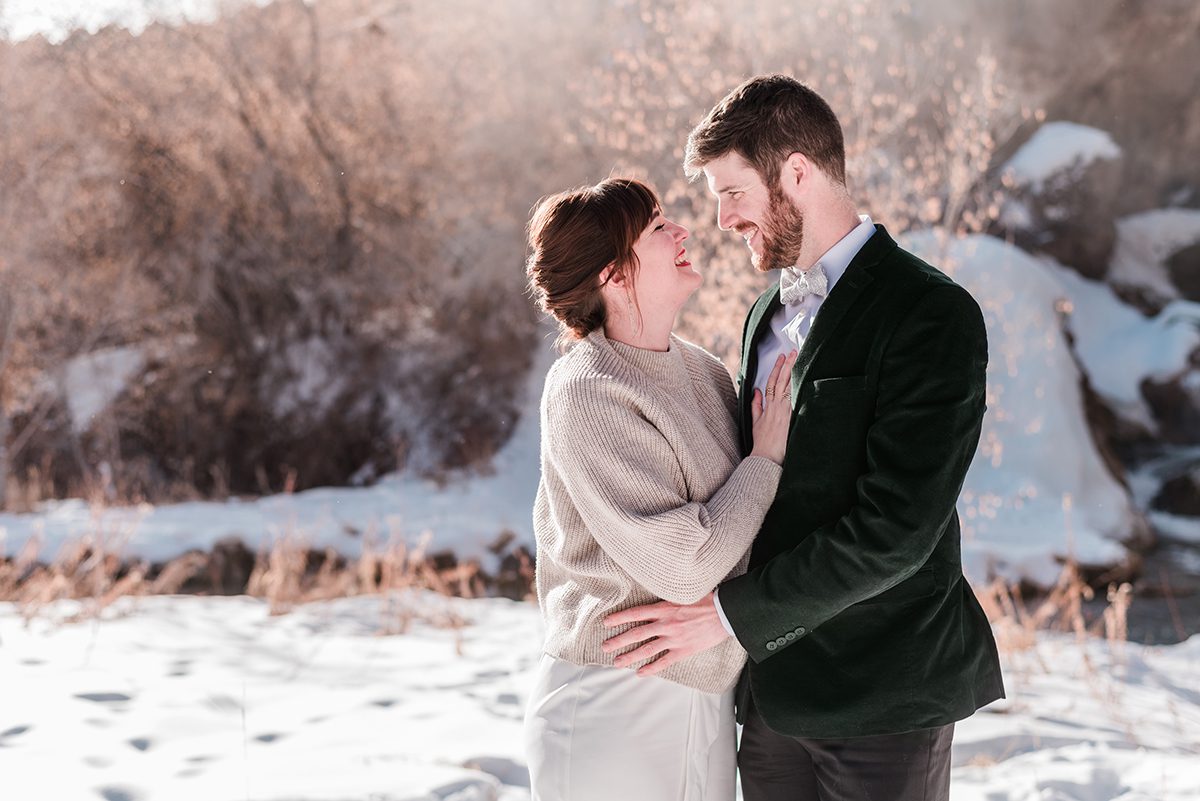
x=13, y=732
x=104, y=698
x=119, y=794
x=492, y=674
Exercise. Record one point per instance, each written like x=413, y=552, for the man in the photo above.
x=866, y=644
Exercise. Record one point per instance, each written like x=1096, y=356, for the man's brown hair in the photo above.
x=764, y=121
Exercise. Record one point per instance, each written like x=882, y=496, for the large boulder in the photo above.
x=1062, y=192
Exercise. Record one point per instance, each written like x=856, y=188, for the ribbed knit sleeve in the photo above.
x=624, y=478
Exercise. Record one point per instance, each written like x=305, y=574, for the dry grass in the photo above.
x=286, y=575
x=1061, y=609
x=1018, y=626
x=290, y=573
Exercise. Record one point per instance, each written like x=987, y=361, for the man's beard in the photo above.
x=782, y=234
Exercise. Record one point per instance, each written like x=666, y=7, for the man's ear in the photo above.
x=796, y=168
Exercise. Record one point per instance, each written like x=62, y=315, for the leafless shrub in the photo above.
x=270, y=210
x=924, y=110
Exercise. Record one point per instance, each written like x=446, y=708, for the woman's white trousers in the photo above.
x=595, y=733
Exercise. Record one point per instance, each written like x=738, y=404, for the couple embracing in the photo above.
x=783, y=553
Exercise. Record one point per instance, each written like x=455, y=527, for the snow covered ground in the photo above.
x=212, y=699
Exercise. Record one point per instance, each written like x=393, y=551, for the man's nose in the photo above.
x=725, y=217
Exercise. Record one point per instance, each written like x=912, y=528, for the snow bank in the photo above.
x=1038, y=490
x=465, y=516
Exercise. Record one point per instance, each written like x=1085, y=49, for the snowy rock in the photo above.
x=1156, y=258
x=1126, y=354
x=1184, y=529
x=1063, y=197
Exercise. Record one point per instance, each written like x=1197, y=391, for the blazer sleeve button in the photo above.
x=771, y=646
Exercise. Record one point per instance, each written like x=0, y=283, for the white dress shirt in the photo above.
x=790, y=324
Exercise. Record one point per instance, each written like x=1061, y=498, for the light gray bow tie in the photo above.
x=795, y=285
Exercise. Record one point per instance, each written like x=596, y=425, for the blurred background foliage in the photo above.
x=291, y=239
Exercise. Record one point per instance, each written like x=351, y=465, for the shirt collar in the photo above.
x=838, y=258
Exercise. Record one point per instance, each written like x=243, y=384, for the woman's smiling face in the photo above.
x=664, y=277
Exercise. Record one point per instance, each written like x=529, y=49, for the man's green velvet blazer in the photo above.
x=854, y=611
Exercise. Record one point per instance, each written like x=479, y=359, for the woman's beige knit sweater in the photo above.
x=643, y=496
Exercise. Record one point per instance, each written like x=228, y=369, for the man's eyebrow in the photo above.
x=727, y=188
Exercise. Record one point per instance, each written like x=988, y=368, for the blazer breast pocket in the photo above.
x=836, y=386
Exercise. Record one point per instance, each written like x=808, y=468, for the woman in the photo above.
x=644, y=496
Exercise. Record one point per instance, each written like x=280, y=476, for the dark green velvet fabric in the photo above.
x=854, y=611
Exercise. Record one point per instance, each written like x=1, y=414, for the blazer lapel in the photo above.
x=760, y=316
x=841, y=298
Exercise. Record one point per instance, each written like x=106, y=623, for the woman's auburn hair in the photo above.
x=573, y=236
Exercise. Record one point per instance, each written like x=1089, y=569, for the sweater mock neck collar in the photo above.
x=665, y=367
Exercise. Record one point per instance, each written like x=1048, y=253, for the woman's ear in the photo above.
x=609, y=276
